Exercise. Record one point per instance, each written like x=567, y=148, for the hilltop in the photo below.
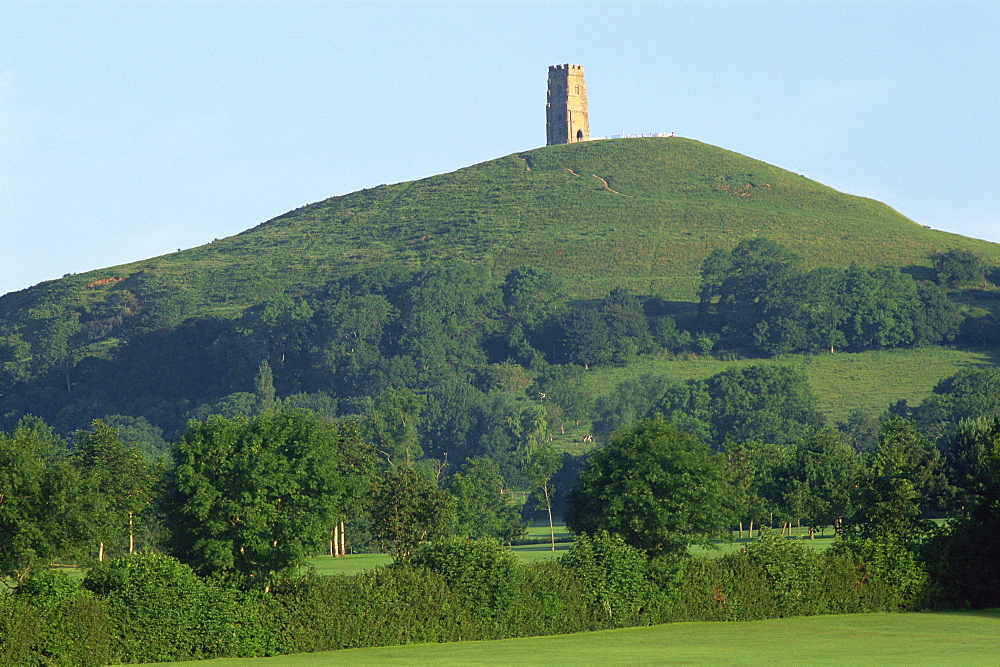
x=635, y=213
x=646, y=211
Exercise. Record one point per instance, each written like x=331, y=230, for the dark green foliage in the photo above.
x=51, y=620
x=746, y=282
x=817, y=483
x=42, y=500
x=938, y=320
x=407, y=511
x=769, y=305
x=901, y=481
x=957, y=268
x=251, y=498
x=970, y=393
x=861, y=430
x=121, y=484
x=162, y=611
x=630, y=401
x=481, y=572
x=974, y=462
x=657, y=486
x=753, y=465
x=530, y=296
x=614, y=573
x=391, y=425
x=616, y=332
x=770, y=403
x=482, y=502
x=962, y=556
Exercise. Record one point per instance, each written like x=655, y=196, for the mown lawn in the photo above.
x=951, y=638
x=542, y=551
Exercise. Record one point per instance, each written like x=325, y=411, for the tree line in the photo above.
x=453, y=333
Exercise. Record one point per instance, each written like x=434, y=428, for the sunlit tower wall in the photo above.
x=566, y=110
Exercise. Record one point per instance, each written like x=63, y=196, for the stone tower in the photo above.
x=566, y=109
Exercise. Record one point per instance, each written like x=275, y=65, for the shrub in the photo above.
x=481, y=572
x=791, y=571
x=889, y=571
x=393, y=605
x=51, y=620
x=615, y=575
x=163, y=611
x=552, y=599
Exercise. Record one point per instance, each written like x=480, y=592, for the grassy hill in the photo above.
x=639, y=213
x=635, y=213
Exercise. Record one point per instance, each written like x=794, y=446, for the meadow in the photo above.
x=841, y=382
x=952, y=638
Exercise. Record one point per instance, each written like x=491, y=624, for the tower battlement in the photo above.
x=566, y=109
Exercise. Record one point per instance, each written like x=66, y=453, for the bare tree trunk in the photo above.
x=100, y=553
x=750, y=532
x=548, y=506
x=131, y=532
x=741, y=529
x=334, y=547
x=343, y=540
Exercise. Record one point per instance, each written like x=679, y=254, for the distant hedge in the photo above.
x=149, y=607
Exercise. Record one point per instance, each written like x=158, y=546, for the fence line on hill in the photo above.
x=634, y=136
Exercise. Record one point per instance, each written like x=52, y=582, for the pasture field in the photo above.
x=941, y=638
x=842, y=382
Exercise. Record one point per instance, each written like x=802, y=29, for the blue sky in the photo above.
x=131, y=129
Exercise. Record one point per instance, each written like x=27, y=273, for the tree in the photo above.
x=628, y=403
x=542, y=464
x=974, y=461
x=819, y=480
x=747, y=282
x=482, y=503
x=752, y=465
x=881, y=305
x=408, y=511
x=962, y=556
x=958, y=268
x=901, y=479
x=970, y=393
x=584, y=338
x=658, y=487
x=251, y=497
x=529, y=296
x=41, y=500
x=765, y=402
x=120, y=479
x=627, y=324
x=264, y=387
x=392, y=425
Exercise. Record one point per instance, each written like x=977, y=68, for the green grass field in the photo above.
x=536, y=552
x=953, y=638
x=841, y=382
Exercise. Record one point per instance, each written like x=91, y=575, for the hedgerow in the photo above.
x=150, y=607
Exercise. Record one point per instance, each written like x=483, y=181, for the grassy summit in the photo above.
x=639, y=213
